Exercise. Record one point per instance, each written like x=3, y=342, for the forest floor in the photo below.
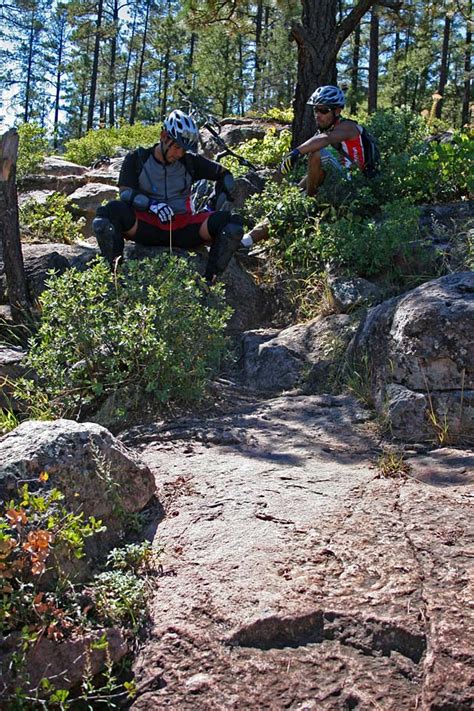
x=296, y=575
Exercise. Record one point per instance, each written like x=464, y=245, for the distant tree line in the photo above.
x=91, y=63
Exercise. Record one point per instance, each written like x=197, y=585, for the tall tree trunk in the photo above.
x=29, y=68
x=258, y=36
x=138, y=89
x=319, y=39
x=241, y=89
x=127, y=66
x=113, y=54
x=192, y=47
x=57, y=97
x=166, y=81
x=9, y=226
x=443, y=72
x=373, y=61
x=95, y=67
x=355, y=70
x=466, y=97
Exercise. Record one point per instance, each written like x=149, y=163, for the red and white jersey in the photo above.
x=351, y=151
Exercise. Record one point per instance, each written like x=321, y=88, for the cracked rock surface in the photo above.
x=295, y=575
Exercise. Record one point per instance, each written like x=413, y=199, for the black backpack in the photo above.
x=371, y=154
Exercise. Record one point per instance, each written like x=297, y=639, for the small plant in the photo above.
x=36, y=532
x=282, y=115
x=391, y=463
x=32, y=149
x=51, y=220
x=8, y=420
x=357, y=377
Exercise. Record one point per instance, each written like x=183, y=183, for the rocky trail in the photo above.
x=296, y=576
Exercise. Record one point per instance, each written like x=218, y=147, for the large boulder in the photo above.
x=55, y=165
x=11, y=368
x=95, y=472
x=40, y=259
x=306, y=354
x=419, y=355
x=89, y=197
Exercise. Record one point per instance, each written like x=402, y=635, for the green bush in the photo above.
x=396, y=130
x=435, y=172
x=106, y=142
x=51, y=220
x=264, y=152
x=307, y=234
x=32, y=149
x=152, y=335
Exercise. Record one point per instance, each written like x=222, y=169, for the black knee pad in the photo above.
x=217, y=221
x=224, y=246
x=108, y=238
x=120, y=214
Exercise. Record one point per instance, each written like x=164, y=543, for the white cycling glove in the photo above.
x=163, y=211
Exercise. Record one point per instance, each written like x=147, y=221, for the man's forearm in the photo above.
x=313, y=144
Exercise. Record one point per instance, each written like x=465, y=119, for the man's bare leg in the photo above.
x=316, y=174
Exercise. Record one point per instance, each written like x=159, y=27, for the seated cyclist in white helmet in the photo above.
x=155, y=206
x=337, y=144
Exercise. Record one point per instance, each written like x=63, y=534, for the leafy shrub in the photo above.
x=433, y=172
x=309, y=234
x=150, y=334
x=366, y=246
x=51, y=220
x=276, y=114
x=396, y=130
x=264, y=152
x=32, y=149
x=106, y=141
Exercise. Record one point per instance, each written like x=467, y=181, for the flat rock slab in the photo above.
x=295, y=577
x=444, y=467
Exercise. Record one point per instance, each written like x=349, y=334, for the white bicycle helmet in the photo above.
x=328, y=95
x=182, y=130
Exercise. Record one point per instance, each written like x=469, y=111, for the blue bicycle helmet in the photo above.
x=328, y=95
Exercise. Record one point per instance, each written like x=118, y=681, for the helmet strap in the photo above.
x=164, y=148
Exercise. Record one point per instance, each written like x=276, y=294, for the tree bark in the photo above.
x=466, y=99
x=10, y=228
x=319, y=38
x=355, y=70
x=443, y=72
x=138, y=90
x=258, y=36
x=373, y=61
x=95, y=67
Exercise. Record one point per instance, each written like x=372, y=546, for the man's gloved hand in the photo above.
x=289, y=161
x=163, y=211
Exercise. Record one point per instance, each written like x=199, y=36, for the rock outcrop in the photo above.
x=94, y=471
x=306, y=354
x=419, y=351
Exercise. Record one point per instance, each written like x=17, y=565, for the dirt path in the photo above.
x=297, y=577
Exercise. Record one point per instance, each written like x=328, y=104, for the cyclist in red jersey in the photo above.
x=337, y=145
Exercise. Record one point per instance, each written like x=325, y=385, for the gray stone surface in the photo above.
x=302, y=354
x=11, y=368
x=55, y=165
x=296, y=577
x=422, y=342
x=347, y=294
x=95, y=472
